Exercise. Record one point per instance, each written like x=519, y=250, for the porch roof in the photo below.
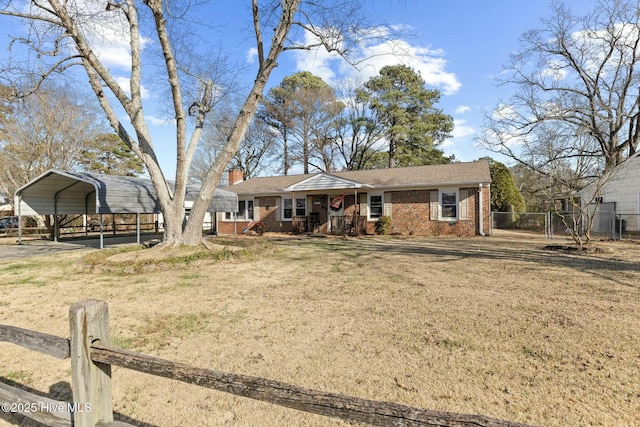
x=324, y=181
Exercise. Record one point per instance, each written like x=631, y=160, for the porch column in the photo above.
x=480, y=210
x=356, y=212
x=293, y=211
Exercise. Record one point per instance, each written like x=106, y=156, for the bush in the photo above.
x=383, y=225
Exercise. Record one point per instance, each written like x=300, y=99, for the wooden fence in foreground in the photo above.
x=92, y=357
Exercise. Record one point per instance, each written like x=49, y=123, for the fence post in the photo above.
x=490, y=224
x=91, y=382
x=546, y=226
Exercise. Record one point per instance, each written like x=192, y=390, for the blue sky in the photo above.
x=459, y=47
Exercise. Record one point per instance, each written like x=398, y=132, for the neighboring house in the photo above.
x=618, y=196
x=5, y=206
x=451, y=199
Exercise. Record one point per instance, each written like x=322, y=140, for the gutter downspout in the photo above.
x=481, y=213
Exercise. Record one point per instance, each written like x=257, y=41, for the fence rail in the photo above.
x=92, y=358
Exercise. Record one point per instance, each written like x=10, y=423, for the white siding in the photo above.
x=623, y=187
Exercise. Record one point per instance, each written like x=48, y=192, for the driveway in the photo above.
x=9, y=248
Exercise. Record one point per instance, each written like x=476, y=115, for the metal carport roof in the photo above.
x=66, y=193
x=61, y=192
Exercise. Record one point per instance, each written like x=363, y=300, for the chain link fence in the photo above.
x=536, y=222
x=609, y=225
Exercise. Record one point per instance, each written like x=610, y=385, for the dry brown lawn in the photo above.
x=495, y=326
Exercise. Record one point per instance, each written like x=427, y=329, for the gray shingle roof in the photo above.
x=416, y=176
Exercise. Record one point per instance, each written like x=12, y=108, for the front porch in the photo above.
x=336, y=224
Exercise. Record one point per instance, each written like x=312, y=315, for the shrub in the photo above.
x=383, y=225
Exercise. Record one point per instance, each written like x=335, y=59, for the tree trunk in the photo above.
x=192, y=234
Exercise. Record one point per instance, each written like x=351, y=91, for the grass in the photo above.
x=494, y=326
x=136, y=259
x=22, y=377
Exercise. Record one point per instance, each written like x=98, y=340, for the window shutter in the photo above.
x=464, y=205
x=363, y=205
x=387, y=205
x=433, y=205
x=278, y=208
x=256, y=209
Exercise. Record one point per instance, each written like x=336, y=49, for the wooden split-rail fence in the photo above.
x=92, y=357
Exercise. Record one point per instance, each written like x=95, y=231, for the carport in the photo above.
x=71, y=193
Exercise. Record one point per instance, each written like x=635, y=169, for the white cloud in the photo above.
x=106, y=31
x=124, y=84
x=461, y=109
x=461, y=133
x=252, y=55
x=504, y=112
x=372, y=57
x=461, y=129
x=556, y=70
x=155, y=121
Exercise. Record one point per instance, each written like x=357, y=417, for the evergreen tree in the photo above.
x=414, y=127
x=109, y=154
x=505, y=197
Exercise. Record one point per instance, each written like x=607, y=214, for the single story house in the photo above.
x=451, y=199
x=618, y=197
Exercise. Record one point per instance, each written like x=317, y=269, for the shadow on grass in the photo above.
x=60, y=391
x=488, y=249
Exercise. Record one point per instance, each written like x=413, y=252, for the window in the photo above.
x=250, y=210
x=287, y=209
x=448, y=205
x=375, y=206
x=241, y=209
x=245, y=211
x=300, y=208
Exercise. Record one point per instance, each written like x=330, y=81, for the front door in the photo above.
x=336, y=213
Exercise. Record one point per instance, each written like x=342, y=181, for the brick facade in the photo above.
x=410, y=214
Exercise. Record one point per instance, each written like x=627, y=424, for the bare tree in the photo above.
x=357, y=134
x=257, y=148
x=276, y=109
x=50, y=129
x=301, y=108
x=65, y=33
x=577, y=73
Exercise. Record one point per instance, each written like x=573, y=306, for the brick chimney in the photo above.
x=235, y=176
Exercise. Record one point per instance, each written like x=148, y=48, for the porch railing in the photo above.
x=346, y=224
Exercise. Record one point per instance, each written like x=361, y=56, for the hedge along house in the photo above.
x=76, y=193
x=451, y=199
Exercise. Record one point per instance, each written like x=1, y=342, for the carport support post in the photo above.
x=101, y=233
x=55, y=218
x=19, y=220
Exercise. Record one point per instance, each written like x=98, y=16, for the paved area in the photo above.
x=9, y=248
